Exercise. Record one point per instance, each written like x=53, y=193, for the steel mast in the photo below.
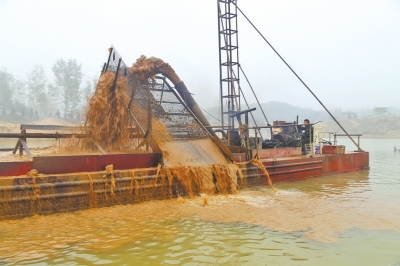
x=228, y=61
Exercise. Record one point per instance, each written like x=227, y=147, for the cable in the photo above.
x=251, y=87
x=211, y=115
x=337, y=122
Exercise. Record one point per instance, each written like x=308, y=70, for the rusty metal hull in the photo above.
x=14, y=168
x=25, y=196
x=302, y=167
x=280, y=169
x=48, y=193
x=278, y=152
x=90, y=163
x=79, y=163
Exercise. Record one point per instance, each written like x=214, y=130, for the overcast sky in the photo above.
x=346, y=51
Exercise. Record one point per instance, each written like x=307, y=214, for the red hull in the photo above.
x=301, y=167
x=279, y=168
x=64, y=186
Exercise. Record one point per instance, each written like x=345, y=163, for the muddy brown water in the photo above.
x=344, y=219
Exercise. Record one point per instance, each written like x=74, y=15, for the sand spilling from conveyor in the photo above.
x=146, y=68
x=197, y=180
x=197, y=164
x=107, y=115
x=191, y=165
x=201, y=151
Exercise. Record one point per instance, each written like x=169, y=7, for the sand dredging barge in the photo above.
x=146, y=138
x=153, y=142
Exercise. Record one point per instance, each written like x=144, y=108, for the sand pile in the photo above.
x=9, y=127
x=52, y=121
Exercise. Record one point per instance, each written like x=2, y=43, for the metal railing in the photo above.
x=335, y=135
x=22, y=137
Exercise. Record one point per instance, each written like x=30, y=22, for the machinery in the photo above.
x=231, y=93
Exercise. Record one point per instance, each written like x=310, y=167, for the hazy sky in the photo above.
x=347, y=51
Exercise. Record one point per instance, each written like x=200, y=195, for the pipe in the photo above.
x=192, y=105
x=42, y=135
x=221, y=131
x=154, y=66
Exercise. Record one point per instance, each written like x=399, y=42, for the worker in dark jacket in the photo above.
x=307, y=136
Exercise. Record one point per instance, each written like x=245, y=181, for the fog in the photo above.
x=347, y=52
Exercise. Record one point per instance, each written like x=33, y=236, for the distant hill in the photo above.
x=373, y=126
x=366, y=124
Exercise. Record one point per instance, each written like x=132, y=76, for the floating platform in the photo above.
x=71, y=183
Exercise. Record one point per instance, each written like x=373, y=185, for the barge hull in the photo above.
x=135, y=181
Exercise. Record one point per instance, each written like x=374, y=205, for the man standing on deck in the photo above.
x=307, y=136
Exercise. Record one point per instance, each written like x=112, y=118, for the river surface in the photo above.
x=344, y=219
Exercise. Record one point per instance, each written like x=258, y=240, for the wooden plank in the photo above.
x=28, y=152
x=6, y=149
x=16, y=147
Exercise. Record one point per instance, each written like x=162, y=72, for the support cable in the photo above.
x=248, y=107
x=326, y=109
x=211, y=115
x=255, y=96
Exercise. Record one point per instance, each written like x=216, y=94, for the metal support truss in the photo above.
x=228, y=61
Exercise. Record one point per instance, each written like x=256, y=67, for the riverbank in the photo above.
x=385, y=127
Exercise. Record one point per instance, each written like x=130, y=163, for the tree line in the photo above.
x=36, y=96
